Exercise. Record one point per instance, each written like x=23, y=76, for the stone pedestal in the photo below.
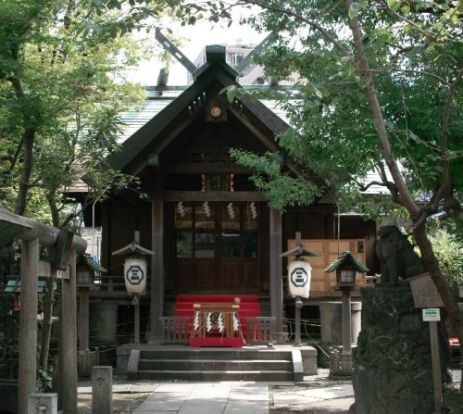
x=392, y=362
x=340, y=363
x=331, y=322
x=104, y=322
x=42, y=404
x=102, y=384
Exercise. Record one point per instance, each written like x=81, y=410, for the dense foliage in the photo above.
x=62, y=89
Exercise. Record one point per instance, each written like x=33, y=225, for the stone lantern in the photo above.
x=346, y=267
x=86, y=268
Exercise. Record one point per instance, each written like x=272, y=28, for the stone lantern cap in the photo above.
x=347, y=259
x=132, y=249
x=88, y=260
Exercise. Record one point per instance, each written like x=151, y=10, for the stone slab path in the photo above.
x=207, y=398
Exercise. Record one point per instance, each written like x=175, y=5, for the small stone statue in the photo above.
x=398, y=259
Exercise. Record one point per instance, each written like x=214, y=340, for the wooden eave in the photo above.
x=263, y=122
x=149, y=135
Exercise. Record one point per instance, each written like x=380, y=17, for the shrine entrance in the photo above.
x=217, y=245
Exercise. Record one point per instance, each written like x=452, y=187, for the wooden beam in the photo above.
x=273, y=146
x=163, y=143
x=47, y=235
x=235, y=196
x=205, y=168
x=268, y=142
x=45, y=271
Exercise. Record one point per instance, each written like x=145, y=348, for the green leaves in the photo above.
x=60, y=76
x=280, y=188
x=354, y=9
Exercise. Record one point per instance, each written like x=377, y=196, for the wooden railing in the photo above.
x=114, y=283
x=259, y=329
x=174, y=329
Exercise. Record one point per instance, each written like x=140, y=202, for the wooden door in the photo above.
x=216, y=246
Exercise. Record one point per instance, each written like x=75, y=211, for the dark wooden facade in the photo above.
x=210, y=229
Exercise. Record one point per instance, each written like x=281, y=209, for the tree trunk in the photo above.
x=47, y=323
x=28, y=145
x=430, y=261
x=431, y=264
x=49, y=295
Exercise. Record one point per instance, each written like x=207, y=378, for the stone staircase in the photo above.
x=212, y=364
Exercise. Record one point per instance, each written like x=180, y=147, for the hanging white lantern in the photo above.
x=135, y=272
x=299, y=277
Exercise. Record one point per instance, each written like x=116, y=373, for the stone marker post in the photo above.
x=102, y=385
x=42, y=404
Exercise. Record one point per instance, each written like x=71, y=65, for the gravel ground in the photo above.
x=337, y=405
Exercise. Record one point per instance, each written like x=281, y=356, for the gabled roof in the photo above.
x=214, y=70
x=347, y=258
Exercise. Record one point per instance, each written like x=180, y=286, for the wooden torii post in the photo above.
x=33, y=234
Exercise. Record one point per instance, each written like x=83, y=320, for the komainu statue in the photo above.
x=397, y=257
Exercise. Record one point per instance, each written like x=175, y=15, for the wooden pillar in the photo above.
x=436, y=368
x=68, y=332
x=84, y=315
x=136, y=319
x=28, y=323
x=157, y=259
x=276, y=280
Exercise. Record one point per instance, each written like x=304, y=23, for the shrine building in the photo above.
x=211, y=231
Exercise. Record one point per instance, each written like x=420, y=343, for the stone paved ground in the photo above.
x=316, y=395
x=123, y=403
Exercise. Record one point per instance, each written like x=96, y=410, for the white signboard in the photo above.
x=299, y=275
x=431, y=315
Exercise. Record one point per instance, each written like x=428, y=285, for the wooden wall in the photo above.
x=119, y=224
x=323, y=283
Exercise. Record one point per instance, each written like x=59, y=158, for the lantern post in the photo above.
x=86, y=269
x=299, y=277
x=135, y=275
x=346, y=267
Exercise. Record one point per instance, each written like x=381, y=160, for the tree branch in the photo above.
x=380, y=124
x=445, y=186
x=313, y=24
x=411, y=71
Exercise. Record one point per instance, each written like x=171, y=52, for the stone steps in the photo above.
x=215, y=365
x=213, y=375
x=217, y=354
x=211, y=364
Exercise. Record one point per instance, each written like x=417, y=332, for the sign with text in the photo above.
x=431, y=315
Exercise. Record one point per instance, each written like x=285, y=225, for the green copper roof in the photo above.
x=347, y=258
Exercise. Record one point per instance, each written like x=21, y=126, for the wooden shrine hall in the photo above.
x=213, y=235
